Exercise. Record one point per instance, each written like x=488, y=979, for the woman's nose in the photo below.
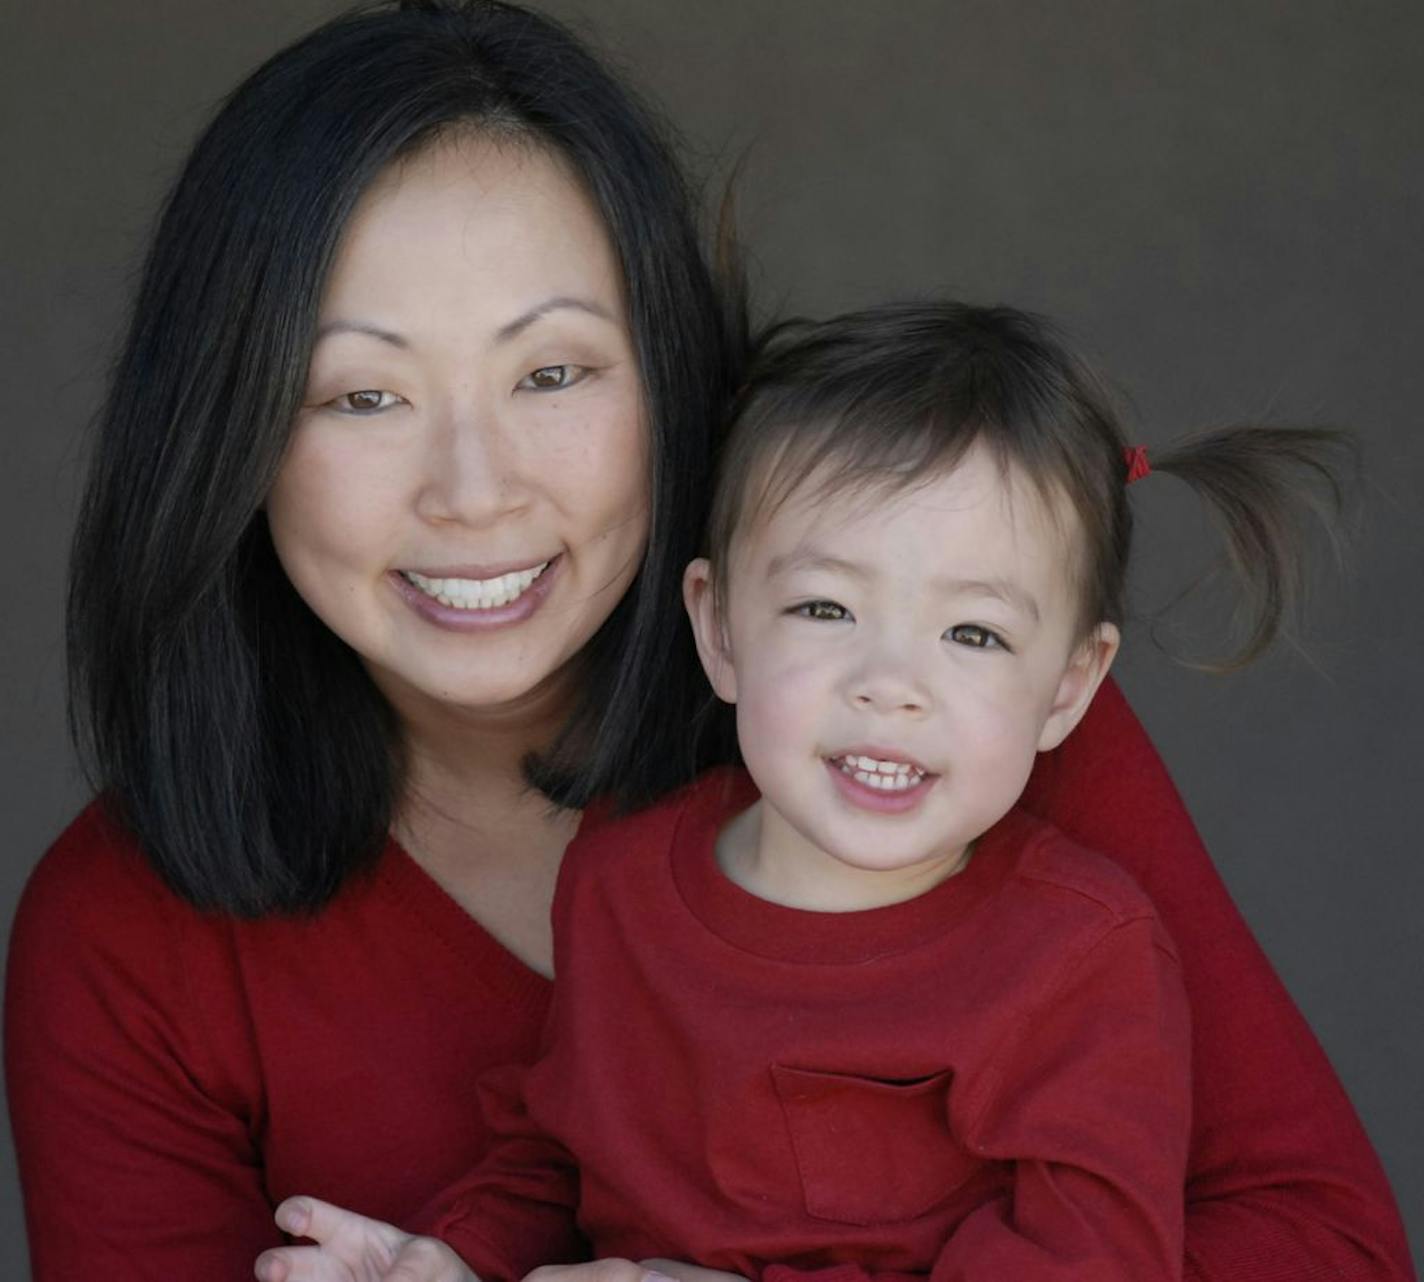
x=471, y=470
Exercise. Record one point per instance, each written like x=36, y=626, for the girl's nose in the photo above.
x=889, y=685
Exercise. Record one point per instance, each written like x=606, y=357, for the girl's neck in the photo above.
x=764, y=855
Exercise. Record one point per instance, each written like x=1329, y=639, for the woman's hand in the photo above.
x=627, y=1271
x=354, y=1248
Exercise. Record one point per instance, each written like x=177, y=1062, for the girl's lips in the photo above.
x=904, y=790
x=875, y=759
x=456, y=618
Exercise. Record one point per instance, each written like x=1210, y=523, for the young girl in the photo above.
x=857, y=1011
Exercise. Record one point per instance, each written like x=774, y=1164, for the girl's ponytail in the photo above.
x=1265, y=486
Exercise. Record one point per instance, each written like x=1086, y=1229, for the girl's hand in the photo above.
x=690, y=1272
x=627, y=1271
x=354, y=1248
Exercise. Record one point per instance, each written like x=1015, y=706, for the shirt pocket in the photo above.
x=868, y=1150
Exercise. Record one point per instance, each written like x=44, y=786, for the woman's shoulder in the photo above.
x=1101, y=893
x=107, y=965
x=95, y=879
x=100, y=945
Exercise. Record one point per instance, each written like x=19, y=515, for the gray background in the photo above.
x=1224, y=201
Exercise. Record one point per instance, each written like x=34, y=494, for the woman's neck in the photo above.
x=473, y=822
x=464, y=769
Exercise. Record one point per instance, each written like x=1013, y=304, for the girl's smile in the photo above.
x=896, y=664
x=880, y=781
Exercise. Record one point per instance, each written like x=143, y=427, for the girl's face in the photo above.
x=897, y=662
x=465, y=496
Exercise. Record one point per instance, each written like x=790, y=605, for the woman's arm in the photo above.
x=518, y=1209
x=1282, y=1182
x=131, y=1168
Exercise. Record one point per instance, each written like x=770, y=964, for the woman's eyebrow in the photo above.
x=521, y=323
x=360, y=327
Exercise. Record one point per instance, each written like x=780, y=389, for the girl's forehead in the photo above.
x=978, y=504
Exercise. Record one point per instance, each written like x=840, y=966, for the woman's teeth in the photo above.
x=477, y=594
x=888, y=776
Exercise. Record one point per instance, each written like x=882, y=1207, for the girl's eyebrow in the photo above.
x=1005, y=590
x=1001, y=589
x=803, y=558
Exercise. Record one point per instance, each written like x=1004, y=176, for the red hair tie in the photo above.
x=1137, y=464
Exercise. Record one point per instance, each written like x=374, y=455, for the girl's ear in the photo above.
x=712, y=644
x=1080, y=682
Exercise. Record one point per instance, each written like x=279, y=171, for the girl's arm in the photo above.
x=1282, y=1183
x=132, y=1169
x=516, y=1210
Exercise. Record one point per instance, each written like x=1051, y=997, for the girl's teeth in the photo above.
x=477, y=594
x=871, y=766
x=884, y=776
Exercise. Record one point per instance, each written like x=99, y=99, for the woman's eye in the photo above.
x=367, y=401
x=824, y=610
x=976, y=637
x=552, y=378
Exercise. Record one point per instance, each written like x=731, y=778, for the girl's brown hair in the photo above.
x=890, y=397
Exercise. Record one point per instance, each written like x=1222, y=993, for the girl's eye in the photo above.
x=367, y=401
x=828, y=611
x=976, y=637
x=553, y=378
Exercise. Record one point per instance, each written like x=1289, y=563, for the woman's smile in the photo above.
x=475, y=604
x=470, y=591
x=464, y=499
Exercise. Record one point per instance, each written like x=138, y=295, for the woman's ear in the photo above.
x=1081, y=678
x=712, y=644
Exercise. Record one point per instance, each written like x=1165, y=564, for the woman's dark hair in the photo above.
x=891, y=397
x=237, y=737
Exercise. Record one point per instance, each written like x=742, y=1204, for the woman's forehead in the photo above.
x=484, y=215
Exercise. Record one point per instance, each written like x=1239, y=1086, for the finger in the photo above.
x=611, y=1270
x=424, y=1259
x=321, y=1221
x=299, y=1264
x=677, y=1271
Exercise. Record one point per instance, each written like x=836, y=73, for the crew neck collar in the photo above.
x=807, y=937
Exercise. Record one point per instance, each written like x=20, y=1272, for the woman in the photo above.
x=395, y=482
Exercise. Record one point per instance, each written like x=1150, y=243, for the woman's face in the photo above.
x=465, y=496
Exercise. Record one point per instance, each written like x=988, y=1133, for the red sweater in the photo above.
x=987, y=1081
x=172, y=1075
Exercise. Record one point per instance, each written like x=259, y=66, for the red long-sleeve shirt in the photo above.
x=172, y=1075
x=987, y=1081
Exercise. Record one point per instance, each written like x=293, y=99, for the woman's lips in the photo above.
x=471, y=592
x=470, y=604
